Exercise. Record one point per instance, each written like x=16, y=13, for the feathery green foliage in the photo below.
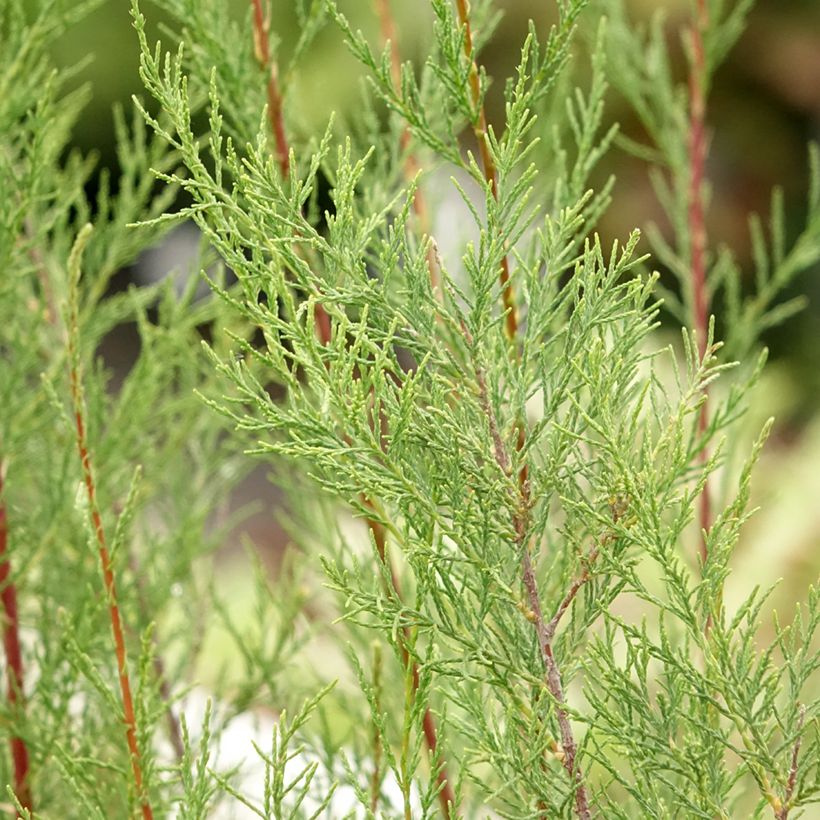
x=504, y=594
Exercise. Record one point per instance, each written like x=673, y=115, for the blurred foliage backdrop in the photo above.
x=764, y=108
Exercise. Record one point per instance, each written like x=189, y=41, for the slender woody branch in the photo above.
x=411, y=165
x=276, y=117
x=388, y=31
x=487, y=164
x=261, y=47
x=106, y=565
x=697, y=143
x=524, y=502
x=14, y=660
x=781, y=810
x=545, y=631
x=447, y=798
x=324, y=332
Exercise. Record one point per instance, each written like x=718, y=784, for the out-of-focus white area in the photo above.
x=176, y=256
x=234, y=750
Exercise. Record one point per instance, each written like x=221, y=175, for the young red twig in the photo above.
x=14, y=660
x=511, y=324
x=446, y=796
x=697, y=141
x=568, y=745
x=544, y=631
x=324, y=333
x=487, y=164
x=261, y=47
x=574, y=589
x=388, y=32
x=617, y=510
x=782, y=812
x=174, y=728
x=106, y=566
x=276, y=117
x=411, y=166
x=521, y=517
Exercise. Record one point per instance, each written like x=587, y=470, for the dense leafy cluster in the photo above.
x=495, y=462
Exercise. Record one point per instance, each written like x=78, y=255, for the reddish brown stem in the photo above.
x=111, y=595
x=697, y=232
x=544, y=631
x=524, y=502
x=174, y=729
x=446, y=795
x=555, y=686
x=276, y=117
x=388, y=31
x=569, y=597
x=324, y=331
x=783, y=812
x=411, y=167
x=106, y=566
x=261, y=43
x=14, y=661
x=487, y=164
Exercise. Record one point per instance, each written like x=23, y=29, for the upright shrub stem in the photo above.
x=261, y=47
x=446, y=795
x=109, y=581
x=697, y=144
x=479, y=125
x=523, y=504
x=544, y=631
x=411, y=167
x=782, y=808
x=276, y=117
x=323, y=332
x=14, y=659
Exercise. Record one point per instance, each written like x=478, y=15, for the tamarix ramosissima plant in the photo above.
x=504, y=594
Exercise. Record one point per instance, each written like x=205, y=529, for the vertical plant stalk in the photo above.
x=545, y=632
x=276, y=117
x=174, y=729
x=376, y=779
x=697, y=147
x=14, y=660
x=387, y=25
x=782, y=809
x=261, y=48
x=479, y=125
x=446, y=796
x=791, y=783
x=261, y=28
x=106, y=566
x=524, y=502
x=388, y=34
